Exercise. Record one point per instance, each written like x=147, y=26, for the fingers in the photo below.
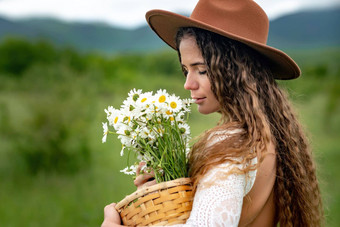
x=149, y=183
x=140, y=166
x=143, y=178
x=111, y=215
x=108, y=208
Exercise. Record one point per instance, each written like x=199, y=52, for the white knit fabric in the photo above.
x=219, y=203
x=219, y=196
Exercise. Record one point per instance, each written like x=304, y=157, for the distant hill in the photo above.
x=82, y=36
x=308, y=29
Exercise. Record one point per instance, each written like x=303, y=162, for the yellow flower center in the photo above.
x=168, y=112
x=173, y=105
x=143, y=100
x=116, y=120
x=161, y=98
x=172, y=118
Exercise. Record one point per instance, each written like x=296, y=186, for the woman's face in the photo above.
x=197, y=81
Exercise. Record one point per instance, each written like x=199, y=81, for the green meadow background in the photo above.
x=54, y=169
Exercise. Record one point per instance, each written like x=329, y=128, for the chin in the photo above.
x=205, y=111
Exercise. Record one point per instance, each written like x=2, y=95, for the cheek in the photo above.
x=214, y=103
x=210, y=90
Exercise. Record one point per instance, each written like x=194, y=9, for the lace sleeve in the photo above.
x=219, y=197
x=218, y=200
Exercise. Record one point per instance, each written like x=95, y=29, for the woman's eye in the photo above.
x=185, y=72
x=202, y=72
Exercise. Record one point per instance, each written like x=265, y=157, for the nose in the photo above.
x=190, y=82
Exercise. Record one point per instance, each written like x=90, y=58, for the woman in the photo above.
x=255, y=168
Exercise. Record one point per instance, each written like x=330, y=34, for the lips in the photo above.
x=199, y=100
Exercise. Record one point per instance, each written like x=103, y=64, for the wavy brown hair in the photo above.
x=251, y=100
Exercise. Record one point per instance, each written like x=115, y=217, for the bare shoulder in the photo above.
x=267, y=167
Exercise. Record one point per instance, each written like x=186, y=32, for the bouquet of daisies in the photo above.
x=154, y=128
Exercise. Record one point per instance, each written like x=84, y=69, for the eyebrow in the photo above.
x=195, y=64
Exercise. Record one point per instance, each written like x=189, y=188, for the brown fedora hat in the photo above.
x=241, y=20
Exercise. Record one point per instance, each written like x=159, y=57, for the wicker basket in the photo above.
x=166, y=203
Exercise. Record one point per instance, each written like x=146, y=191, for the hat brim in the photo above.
x=166, y=24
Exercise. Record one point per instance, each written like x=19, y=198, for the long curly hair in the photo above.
x=251, y=100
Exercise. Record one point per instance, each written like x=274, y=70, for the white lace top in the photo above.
x=218, y=200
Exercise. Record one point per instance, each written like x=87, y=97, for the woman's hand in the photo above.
x=111, y=216
x=144, y=179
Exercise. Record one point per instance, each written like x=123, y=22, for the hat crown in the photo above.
x=240, y=20
x=243, y=18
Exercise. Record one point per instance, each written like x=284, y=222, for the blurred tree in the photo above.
x=72, y=58
x=55, y=138
x=45, y=52
x=16, y=56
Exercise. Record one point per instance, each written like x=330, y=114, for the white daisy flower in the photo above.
x=134, y=94
x=125, y=140
x=144, y=99
x=180, y=117
x=167, y=114
x=144, y=133
x=124, y=132
x=128, y=104
x=184, y=129
x=129, y=170
x=109, y=110
x=161, y=96
x=187, y=103
x=126, y=118
x=175, y=104
x=114, y=117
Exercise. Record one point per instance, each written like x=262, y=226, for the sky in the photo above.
x=131, y=13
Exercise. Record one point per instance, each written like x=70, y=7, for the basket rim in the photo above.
x=152, y=188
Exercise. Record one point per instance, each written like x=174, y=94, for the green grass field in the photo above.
x=56, y=172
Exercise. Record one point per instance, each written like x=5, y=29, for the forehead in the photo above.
x=189, y=50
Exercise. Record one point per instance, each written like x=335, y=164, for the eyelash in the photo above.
x=185, y=72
